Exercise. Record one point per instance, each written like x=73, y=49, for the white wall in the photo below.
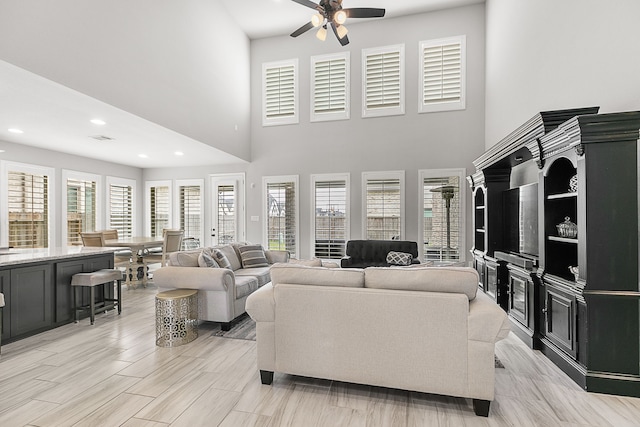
x=548, y=55
x=410, y=142
x=59, y=161
x=181, y=64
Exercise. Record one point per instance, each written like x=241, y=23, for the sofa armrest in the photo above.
x=274, y=256
x=487, y=321
x=346, y=261
x=207, y=279
x=261, y=304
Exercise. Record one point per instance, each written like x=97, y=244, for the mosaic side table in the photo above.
x=176, y=317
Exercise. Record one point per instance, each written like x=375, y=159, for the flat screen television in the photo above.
x=521, y=219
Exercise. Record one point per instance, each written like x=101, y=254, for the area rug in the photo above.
x=245, y=329
x=242, y=329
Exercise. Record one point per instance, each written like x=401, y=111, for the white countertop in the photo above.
x=10, y=257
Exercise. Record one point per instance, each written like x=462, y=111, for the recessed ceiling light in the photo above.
x=14, y=130
x=1, y=151
x=142, y=156
x=179, y=153
x=98, y=122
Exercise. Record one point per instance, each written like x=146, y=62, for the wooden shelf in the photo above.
x=480, y=207
x=480, y=230
x=563, y=239
x=562, y=196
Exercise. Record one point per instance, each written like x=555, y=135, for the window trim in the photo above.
x=294, y=119
x=81, y=176
x=437, y=173
x=112, y=180
x=147, y=203
x=330, y=177
x=176, y=205
x=340, y=115
x=366, y=176
x=384, y=111
x=5, y=167
x=265, y=225
x=443, y=105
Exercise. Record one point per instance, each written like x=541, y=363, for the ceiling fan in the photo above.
x=330, y=12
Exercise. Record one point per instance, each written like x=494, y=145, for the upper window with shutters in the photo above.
x=280, y=93
x=442, y=72
x=383, y=81
x=330, y=87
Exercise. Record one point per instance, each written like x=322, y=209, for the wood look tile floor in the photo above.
x=112, y=374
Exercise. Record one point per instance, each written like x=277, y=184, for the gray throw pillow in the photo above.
x=206, y=260
x=399, y=258
x=221, y=259
x=253, y=256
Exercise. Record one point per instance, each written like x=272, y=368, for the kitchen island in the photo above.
x=36, y=284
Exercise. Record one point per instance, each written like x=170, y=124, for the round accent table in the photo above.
x=176, y=317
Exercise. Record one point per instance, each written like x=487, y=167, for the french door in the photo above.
x=227, y=210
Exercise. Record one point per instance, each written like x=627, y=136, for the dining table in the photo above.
x=138, y=246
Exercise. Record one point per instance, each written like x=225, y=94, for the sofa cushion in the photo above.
x=184, y=259
x=318, y=276
x=315, y=262
x=205, y=259
x=245, y=285
x=399, y=258
x=231, y=255
x=427, y=279
x=262, y=274
x=221, y=259
x=252, y=256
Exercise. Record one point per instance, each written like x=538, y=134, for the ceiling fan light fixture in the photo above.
x=317, y=19
x=322, y=34
x=342, y=31
x=340, y=17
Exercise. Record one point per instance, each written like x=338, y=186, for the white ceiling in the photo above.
x=55, y=117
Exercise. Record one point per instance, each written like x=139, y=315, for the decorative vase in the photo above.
x=567, y=228
x=573, y=184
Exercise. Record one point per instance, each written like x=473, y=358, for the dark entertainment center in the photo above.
x=555, y=209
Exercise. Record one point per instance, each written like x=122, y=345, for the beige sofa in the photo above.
x=222, y=291
x=422, y=329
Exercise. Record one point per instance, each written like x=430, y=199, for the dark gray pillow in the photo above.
x=253, y=256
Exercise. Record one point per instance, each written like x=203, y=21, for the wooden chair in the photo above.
x=172, y=243
x=93, y=238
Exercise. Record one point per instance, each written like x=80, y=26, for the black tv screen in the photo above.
x=521, y=219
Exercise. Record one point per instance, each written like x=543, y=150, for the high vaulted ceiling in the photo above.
x=56, y=117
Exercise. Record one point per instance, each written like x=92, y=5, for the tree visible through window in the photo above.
x=384, y=199
x=330, y=223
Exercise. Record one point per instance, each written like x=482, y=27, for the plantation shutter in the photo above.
x=280, y=103
x=383, y=81
x=160, y=208
x=281, y=216
x=226, y=214
x=442, y=218
x=330, y=218
x=330, y=88
x=81, y=208
x=28, y=203
x=384, y=209
x=190, y=212
x=121, y=209
x=442, y=74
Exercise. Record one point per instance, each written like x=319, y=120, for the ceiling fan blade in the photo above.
x=306, y=27
x=343, y=41
x=307, y=3
x=364, y=12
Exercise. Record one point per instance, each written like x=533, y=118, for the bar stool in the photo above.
x=91, y=280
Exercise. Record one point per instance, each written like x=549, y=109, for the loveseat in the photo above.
x=424, y=329
x=373, y=253
x=222, y=292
